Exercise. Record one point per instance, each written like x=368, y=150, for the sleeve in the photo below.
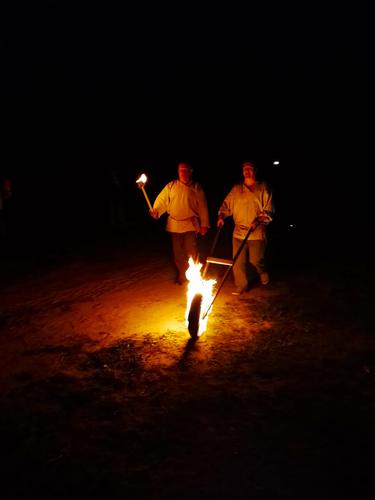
x=161, y=203
x=267, y=207
x=267, y=202
x=226, y=208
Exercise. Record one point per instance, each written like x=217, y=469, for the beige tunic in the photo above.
x=186, y=206
x=244, y=205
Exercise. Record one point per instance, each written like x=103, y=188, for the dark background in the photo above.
x=101, y=394
x=87, y=88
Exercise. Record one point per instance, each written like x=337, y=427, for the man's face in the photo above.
x=249, y=173
x=184, y=172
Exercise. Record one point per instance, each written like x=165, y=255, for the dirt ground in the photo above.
x=103, y=394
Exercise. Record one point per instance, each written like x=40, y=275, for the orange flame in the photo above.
x=198, y=285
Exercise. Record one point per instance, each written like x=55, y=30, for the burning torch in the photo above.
x=141, y=184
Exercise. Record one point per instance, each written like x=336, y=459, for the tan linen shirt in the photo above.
x=244, y=205
x=186, y=206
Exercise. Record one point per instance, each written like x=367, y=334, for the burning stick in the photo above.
x=141, y=184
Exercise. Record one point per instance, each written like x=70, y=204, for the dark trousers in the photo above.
x=184, y=246
x=253, y=252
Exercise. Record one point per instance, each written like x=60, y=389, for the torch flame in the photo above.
x=142, y=179
x=198, y=285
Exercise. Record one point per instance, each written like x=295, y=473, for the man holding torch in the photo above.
x=185, y=203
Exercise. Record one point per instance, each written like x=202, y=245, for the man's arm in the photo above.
x=161, y=203
x=267, y=207
x=226, y=209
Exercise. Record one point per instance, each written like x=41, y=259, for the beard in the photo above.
x=249, y=181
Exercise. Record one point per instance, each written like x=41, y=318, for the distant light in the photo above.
x=292, y=225
x=276, y=162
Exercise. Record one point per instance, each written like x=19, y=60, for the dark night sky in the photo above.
x=91, y=86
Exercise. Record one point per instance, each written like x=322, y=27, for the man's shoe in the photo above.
x=238, y=291
x=264, y=278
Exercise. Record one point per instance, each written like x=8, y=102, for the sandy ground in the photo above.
x=104, y=395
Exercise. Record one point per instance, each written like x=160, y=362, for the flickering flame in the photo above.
x=142, y=179
x=198, y=285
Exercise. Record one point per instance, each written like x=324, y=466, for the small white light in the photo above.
x=292, y=225
x=276, y=162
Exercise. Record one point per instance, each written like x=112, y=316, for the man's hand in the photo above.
x=203, y=230
x=264, y=218
x=154, y=213
x=220, y=222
